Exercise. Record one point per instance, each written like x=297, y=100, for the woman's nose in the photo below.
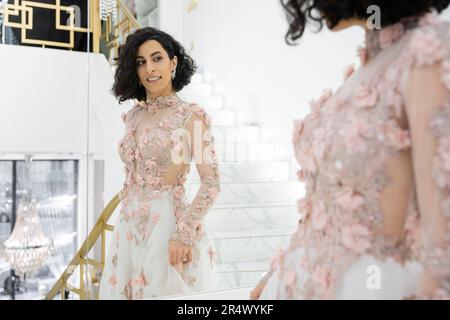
x=150, y=68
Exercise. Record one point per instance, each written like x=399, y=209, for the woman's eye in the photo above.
x=140, y=62
x=157, y=59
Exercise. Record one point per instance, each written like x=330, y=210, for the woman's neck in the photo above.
x=165, y=93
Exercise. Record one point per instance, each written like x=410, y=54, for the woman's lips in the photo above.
x=153, y=79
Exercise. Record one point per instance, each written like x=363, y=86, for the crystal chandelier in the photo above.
x=108, y=8
x=27, y=247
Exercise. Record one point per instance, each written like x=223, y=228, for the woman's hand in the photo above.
x=179, y=253
x=256, y=292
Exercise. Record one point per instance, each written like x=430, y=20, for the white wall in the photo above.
x=446, y=14
x=43, y=100
x=106, y=125
x=47, y=99
x=241, y=42
x=171, y=18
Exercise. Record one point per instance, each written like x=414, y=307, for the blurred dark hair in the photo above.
x=298, y=12
x=126, y=83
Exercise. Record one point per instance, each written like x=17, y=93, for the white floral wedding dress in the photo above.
x=156, y=151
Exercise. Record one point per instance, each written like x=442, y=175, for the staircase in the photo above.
x=255, y=213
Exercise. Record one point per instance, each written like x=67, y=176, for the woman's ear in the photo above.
x=174, y=62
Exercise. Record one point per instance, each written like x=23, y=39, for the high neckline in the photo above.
x=376, y=40
x=161, y=102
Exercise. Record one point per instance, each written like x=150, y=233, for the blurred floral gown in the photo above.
x=156, y=151
x=375, y=160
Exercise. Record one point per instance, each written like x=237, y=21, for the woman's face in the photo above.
x=154, y=68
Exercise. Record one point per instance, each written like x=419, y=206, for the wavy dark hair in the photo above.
x=298, y=12
x=126, y=82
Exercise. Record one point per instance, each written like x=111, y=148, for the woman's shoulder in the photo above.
x=429, y=42
x=194, y=110
x=133, y=108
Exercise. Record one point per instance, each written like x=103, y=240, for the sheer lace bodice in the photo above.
x=162, y=136
x=375, y=158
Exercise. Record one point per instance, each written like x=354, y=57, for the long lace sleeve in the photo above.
x=203, y=152
x=427, y=102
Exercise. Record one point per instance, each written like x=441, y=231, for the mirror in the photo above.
x=244, y=85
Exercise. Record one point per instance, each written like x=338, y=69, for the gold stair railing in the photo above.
x=81, y=260
x=112, y=33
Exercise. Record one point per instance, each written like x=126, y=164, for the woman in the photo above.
x=374, y=158
x=159, y=247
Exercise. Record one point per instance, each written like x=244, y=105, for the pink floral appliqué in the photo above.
x=355, y=135
x=390, y=34
x=446, y=73
x=322, y=278
x=155, y=218
x=319, y=217
x=363, y=54
x=315, y=105
x=365, y=97
x=356, y=237
x=349, y=70
x=394, y=135
x=113, y=280
x=304, y=207
x=426, y=47
x=347, y=199
x=442, y=163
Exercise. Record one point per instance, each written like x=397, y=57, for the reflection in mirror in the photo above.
x=270, y=84
x=253, y=214
x=249, y=219
x=250, y=82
